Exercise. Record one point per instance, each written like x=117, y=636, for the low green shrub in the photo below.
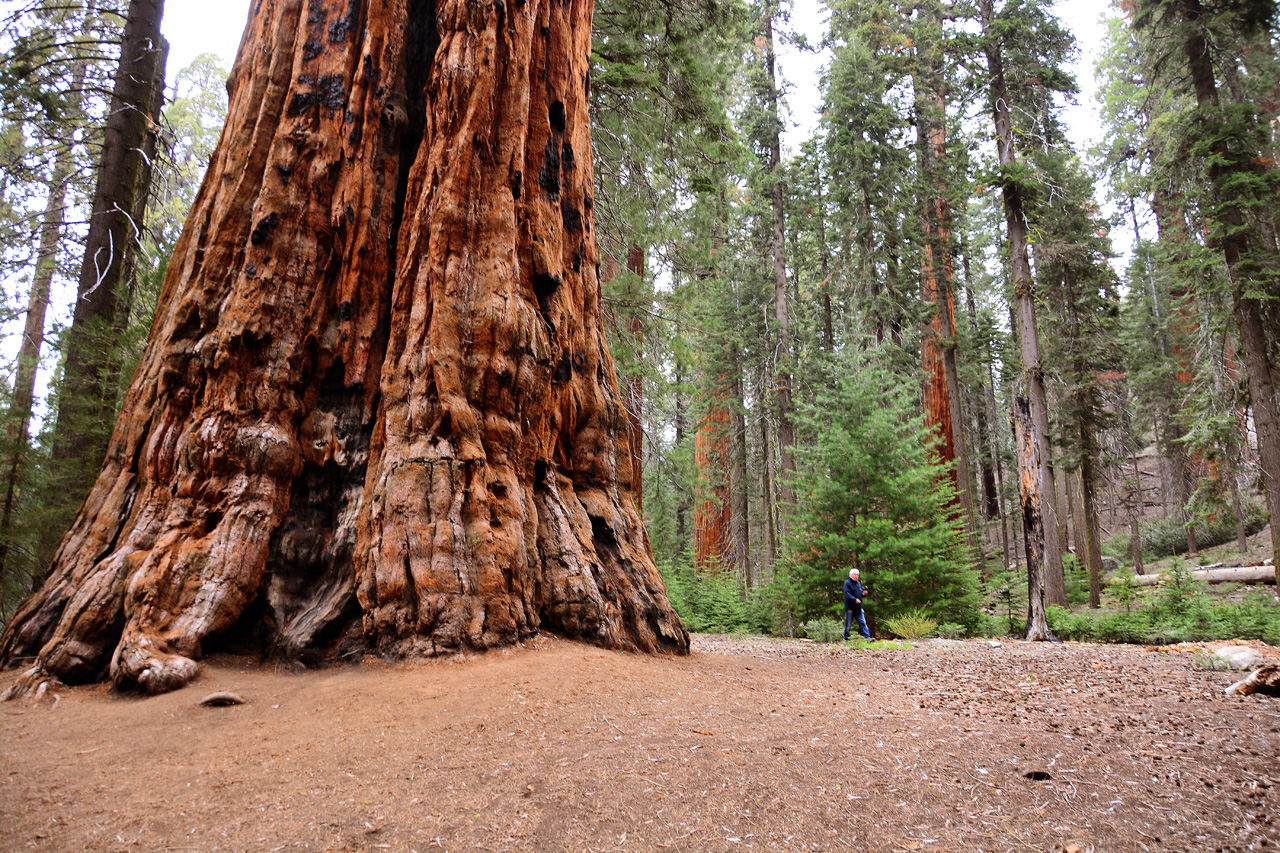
x=912, y=625
x=1180, y=613
x=1166, y=537
x=1119, y=546
x=823, y=630
x=710, y=602
x=1008, y=589
x=1122, y=589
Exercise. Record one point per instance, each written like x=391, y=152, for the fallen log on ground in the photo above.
x=1264, y=680
x=1243, y=574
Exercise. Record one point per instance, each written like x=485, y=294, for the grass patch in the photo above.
x=861, y=645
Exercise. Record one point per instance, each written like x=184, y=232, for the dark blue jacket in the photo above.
x=852, y=594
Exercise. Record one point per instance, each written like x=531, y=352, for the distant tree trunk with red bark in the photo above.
x=942, y=406
x=713, y=545
x=376, y=411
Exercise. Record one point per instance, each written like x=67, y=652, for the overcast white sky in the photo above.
x=194, y=27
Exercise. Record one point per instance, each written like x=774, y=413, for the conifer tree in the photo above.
x=1231, y=142
x=1031, y=415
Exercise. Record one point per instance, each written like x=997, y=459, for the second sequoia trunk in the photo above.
x=376, y=410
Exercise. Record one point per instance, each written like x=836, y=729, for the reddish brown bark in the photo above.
x=942, y=406
x=713, y=546
x=376, y=411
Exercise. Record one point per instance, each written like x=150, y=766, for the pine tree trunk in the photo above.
x=17, y=428
x=86, y=397
x=1135, y=521
x=1068, y=539
x=782, y=378
x=824, y=258
x=681, y=417
x=985, y=447
x=1246, y=309
x=1031, y=487
x=768, y=500
x=635, y=390
x=1088, y=540
x=376, y=410
x=1035, y=476
x=740, y=529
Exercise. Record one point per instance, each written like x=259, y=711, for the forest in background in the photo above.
x=905, y=349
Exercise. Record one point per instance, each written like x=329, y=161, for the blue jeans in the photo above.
x=862, y=623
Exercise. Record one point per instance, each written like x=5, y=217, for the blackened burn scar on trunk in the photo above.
x=420, y=51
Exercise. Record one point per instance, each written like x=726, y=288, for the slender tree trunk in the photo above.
x=18, y=426
x=1067, y=538
x=1137, y=502
x=86, y=396
x=1237, y=506
x=740, y=529
x=683, y=507
x=1036, y=486
x=634, y=391
x=782, y=375
x=985, y=447
x=1088, y=542
x=377, y=398
x=769, y=501
x=824, y=259
x=995, y=452
x=1247, y=310
x=1031, y=487
x=1135, y=528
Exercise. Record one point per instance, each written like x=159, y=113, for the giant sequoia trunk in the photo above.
x=942, y=403
x=713, y=545
x=376, y=411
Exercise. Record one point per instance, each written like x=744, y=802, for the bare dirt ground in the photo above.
x=747, y=744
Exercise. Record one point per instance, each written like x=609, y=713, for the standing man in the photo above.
x=853, y=605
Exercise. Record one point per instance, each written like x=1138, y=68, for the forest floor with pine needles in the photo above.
x=748, y=744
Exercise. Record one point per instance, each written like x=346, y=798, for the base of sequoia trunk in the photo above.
x=376, y=411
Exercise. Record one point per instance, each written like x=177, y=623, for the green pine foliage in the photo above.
x=712, y=602
x=871, y=498
x=1179, y=613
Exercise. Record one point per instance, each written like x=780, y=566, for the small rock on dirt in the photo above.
x=1238, y=658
